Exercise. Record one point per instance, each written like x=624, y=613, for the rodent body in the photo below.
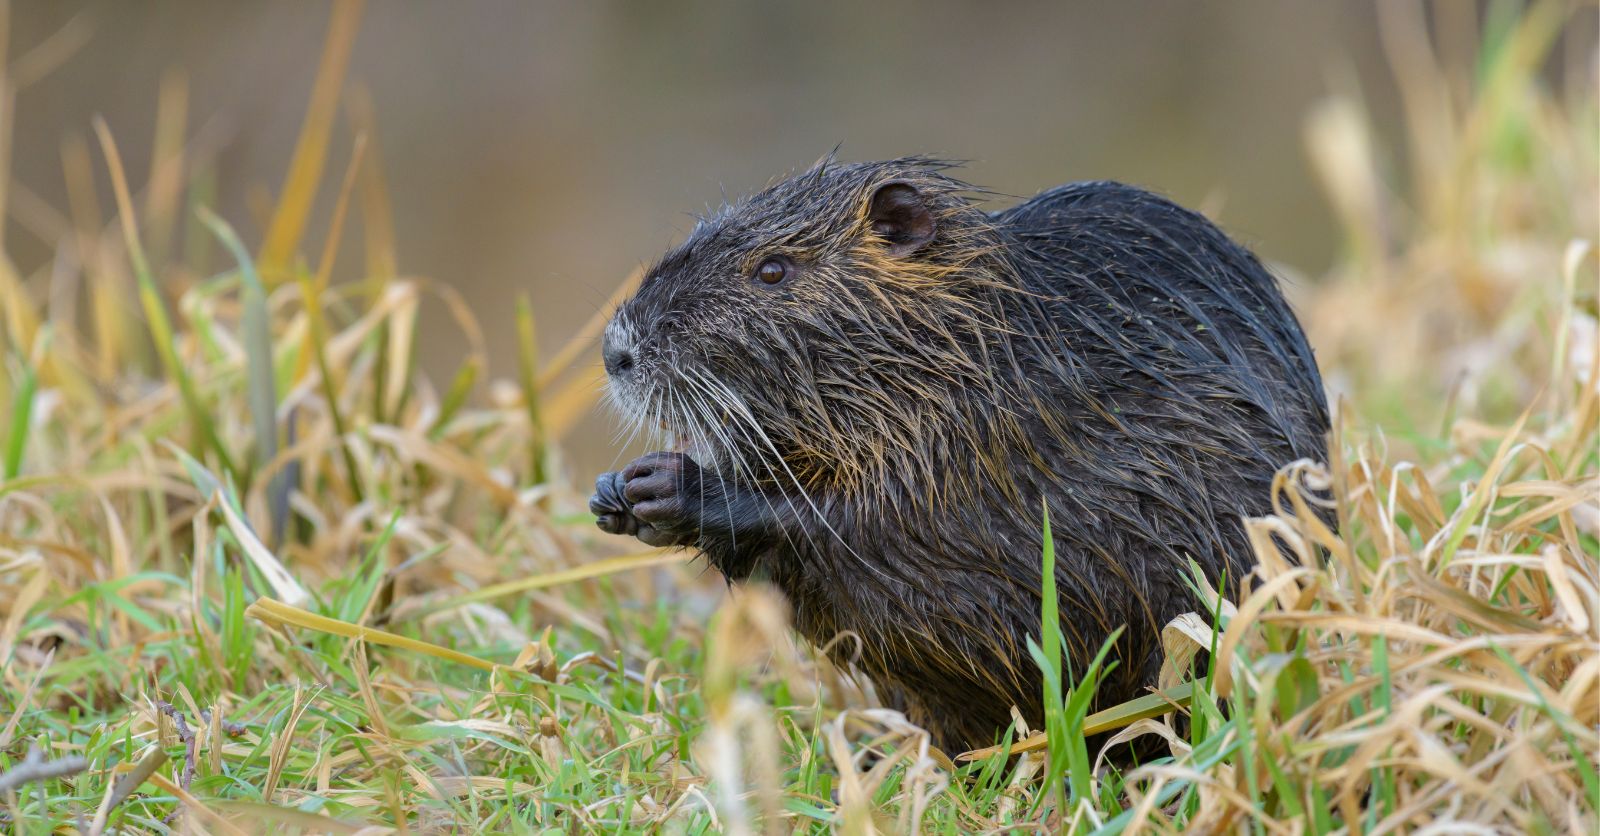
x=874, y=386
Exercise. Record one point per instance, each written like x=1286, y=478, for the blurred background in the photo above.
x=554, y=148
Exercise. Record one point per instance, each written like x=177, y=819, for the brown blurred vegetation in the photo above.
x=553, y=148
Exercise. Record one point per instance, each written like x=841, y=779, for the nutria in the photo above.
x=872, y=385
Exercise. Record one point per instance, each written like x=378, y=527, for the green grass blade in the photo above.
x=528, y=371
x=456, y=396
x=21, y=415
x=1582, y=761
x=1047, y=654
x=259, y=376
x=1077, y=710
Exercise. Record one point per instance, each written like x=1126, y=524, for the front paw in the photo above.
x=656, y=498
x=662, y=491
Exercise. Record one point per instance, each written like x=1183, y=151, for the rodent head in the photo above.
x=810, y=333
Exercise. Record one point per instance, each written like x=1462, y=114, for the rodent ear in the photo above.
x=899, y=214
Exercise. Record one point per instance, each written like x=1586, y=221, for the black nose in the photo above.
x=618, y=359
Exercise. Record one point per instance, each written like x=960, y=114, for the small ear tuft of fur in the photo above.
x=900, y=215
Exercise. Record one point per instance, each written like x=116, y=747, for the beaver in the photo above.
x=874, y=389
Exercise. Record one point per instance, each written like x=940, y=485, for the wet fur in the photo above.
x=876, y=435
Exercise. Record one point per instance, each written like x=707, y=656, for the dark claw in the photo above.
x=617, y=523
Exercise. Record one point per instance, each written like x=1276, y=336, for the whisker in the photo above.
x=739, y=463
x=743, y=411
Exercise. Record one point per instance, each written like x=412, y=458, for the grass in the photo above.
x=258, y=573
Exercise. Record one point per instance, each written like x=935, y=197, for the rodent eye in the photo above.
x=773, y=271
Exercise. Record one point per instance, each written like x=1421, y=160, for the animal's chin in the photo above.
x=691, y=441
x=630, y=397
x=712, y=446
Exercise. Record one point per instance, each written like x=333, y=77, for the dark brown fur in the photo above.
x=876, y=433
